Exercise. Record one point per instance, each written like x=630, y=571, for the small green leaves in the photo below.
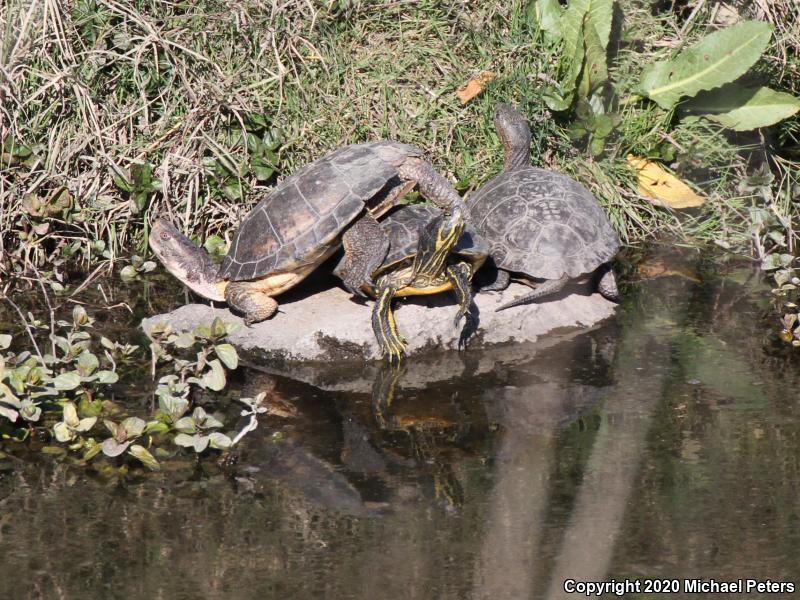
x=69, y=428
x=143, y=456
x=227, y=354
x=719, y=58
x=67, y=381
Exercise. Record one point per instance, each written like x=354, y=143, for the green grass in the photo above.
x=210, y=98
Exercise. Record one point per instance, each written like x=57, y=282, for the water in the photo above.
x=663, y=444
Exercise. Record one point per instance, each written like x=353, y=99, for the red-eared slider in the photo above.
x=429, y=252
x=301, y=222
x=540, y=224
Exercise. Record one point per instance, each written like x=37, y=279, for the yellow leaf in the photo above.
x=474, y=86
x=657, y=184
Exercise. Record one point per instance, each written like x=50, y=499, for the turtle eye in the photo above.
x=164, y=236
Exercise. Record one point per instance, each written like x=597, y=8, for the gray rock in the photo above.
x=331, y=326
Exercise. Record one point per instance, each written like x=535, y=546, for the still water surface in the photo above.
x=662, y=444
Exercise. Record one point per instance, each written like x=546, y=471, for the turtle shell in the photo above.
x=542, y=224
x=403, y=225
x=300, y=220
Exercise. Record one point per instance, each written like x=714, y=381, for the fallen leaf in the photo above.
x=657, y=184
x=657, y=268
x=474, y=86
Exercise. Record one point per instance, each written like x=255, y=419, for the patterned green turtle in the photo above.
x=540, y=224
x=331, y=202
x=430, y=251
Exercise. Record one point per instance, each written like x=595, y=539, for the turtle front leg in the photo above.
x=250, y=301
x=459, y=275
x=432, y=185
x=384, y=325
x=365, y=246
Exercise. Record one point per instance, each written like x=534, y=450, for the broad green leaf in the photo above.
x=8, y=413
x=183, y=340
x=227, y=354
x=198, y=442
x=62, y=432
x=741, y=108
x=217, y=327
x=548, y=15
x=156, y=427
x=595, y=68
x=87, y=363
x=7, y=396
x=70, y=415
x=86, y=424
x=93, y=450
x=219, y=440
x=67, y=381
x=719, y=58
x=186, y=425
x=133, y=426
x=173, y=406
x=5, y=341
x=116, y=430
x=144, y=457
x=214, y=378
x=112, y=447
x=601, y=12
x=107, y=377
x=128, y=273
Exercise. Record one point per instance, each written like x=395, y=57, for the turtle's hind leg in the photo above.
x=365, y=246
x=432, y=185
x=250, y=301
x=384, y=325
x=607, y=284
x=551, y=286
x=500, y=283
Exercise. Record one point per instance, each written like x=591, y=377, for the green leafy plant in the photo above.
x=137, y=267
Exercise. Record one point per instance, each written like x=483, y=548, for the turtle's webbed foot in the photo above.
x=460, y=275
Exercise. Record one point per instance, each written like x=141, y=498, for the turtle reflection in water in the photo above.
x=430, y=251
x=540, y=224
x=426, y=426
x=334, y=200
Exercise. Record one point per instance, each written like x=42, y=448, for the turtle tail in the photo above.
x=551, y=286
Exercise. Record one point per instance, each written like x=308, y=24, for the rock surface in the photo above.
x=330, y=325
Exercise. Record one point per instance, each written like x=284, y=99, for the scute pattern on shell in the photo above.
x=403, y=224
x=543, y=224
x=298, y=220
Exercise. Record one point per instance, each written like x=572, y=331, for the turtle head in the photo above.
x=437, y=238
x=515, y=135
x=188, y=263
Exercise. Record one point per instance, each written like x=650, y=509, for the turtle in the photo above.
x=330, y=202
x=430, y=251
x=540, y=224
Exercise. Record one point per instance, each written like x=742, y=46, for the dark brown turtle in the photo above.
x=540, y=224
x=334, y=200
